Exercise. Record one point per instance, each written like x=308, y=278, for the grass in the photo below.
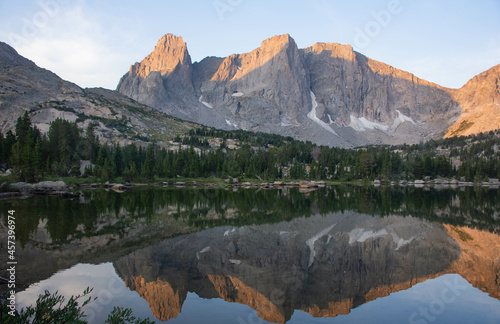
x=463, y=236
x=464, y=125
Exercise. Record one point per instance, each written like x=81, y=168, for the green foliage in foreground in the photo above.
x=51, y=308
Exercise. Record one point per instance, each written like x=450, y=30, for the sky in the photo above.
x=93, y=42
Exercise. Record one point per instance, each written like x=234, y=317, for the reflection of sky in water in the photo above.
x=108, y=287
x=447, y=299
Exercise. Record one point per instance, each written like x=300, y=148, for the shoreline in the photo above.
x=61, y=189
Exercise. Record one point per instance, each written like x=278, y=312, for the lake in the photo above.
x=341, y=254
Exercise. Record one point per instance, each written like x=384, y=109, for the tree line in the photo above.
x=32, y=156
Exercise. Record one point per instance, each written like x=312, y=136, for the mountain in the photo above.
x=26, y=87
x=480, y=101
x=327, y=93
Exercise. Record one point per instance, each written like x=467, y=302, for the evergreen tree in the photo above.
x=23, y=127
x=9, y=141
x=147, y=170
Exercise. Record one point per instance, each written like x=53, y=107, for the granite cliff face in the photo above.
x=354, y=90
x=162, y=77
x=266, y=86
x=326, y=93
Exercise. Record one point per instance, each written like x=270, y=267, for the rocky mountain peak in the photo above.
x=345, y=52
x=278, y=40
x=163, y=79
x=273, y=45
x=170, y=51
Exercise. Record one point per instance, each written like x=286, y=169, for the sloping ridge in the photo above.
x=480, y=101
x=26, y=87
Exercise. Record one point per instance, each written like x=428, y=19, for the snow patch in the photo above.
x=231, y=124
x=226, y=233
x=206, y=249
x=204, y=103
x=235, y=261
x=238, y=94
x=362, y=124
x=360, y=235
x=283, y=124
x=314, y=118
x=310, y=242
x=404, y=118
x=330, y=119
x=402, y=242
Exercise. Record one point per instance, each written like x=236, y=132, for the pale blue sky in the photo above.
x=94, y=42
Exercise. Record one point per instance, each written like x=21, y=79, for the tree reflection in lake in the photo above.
x=201, y=208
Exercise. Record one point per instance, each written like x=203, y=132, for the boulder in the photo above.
x=50, y=185
x=119, y=188
x=21, y=186
x=307, y=184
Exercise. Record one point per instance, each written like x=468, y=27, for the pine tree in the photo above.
x=27, y=159
x=147, y=171
x=15, y=160
x=118, y=161
x=8, y=142
x=23, y=126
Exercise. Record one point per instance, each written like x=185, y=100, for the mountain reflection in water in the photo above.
x=322, y=265
x=277, y=251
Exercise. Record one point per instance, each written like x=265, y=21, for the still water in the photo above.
x=343, y=254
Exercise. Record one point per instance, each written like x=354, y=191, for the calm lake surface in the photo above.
x=343, y=254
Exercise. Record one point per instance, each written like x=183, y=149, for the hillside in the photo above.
x=119, y=119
